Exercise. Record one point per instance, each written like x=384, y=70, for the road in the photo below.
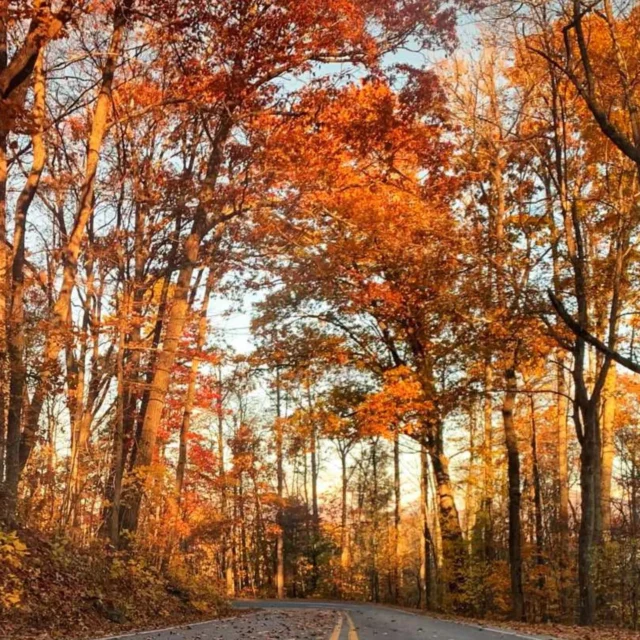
x=305, y=620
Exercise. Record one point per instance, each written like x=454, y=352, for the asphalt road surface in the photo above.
x=304, y=620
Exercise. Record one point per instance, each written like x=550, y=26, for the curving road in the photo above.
x=316, y=620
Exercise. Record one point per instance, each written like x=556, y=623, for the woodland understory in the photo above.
x=427, y=213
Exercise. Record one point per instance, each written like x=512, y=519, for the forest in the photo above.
x=320, y=299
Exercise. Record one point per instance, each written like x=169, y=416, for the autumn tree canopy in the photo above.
x=426, y=232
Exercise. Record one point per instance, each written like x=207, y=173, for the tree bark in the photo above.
x=190, y=394
x=397, y=515
x=15, y=324
x=563, y=484
x=228, y=544
x=488, y=479
x=85, y=408
x=426, y=543
x=538, y=508
x=590, y=487
x=280, y=586
x=453, y=545
x=315, y=512
x=118, y=462
x=608, y=451
x=177, y=315
x=7, y=499
x=57, y=333
x=513, y=470
x=345, y=555
x=375, y=577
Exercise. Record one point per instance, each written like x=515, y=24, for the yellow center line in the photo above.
x=353, y=634
x=336, y=631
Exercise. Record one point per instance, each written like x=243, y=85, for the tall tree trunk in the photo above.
x=608, y=451
x=245, y=575
x=15, y=325
x=315, y=512
x=453, y=545
x=160, y=384
x=174, y=328
x=228, y=544
x=258, y=535
x=426, y=544
x=134, y=420
x=513, y=466
x=76, y=367
x=131, y=361
x=471, y=485
x=111, y=521
x=123, y=421
x=7, y=505
x=590, y=487
x=375, y=577
x=85, y=407
x=233, y=547
x=59, y=321
x=537, y=502
x=190, y=394
x=563, y=485
x=280, y=587
x=488, y=476
x=15, y=76
x=397, y=515
x=345, y=559
x=136, y=402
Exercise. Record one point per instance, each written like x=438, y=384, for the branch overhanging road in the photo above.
x=317, y=620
